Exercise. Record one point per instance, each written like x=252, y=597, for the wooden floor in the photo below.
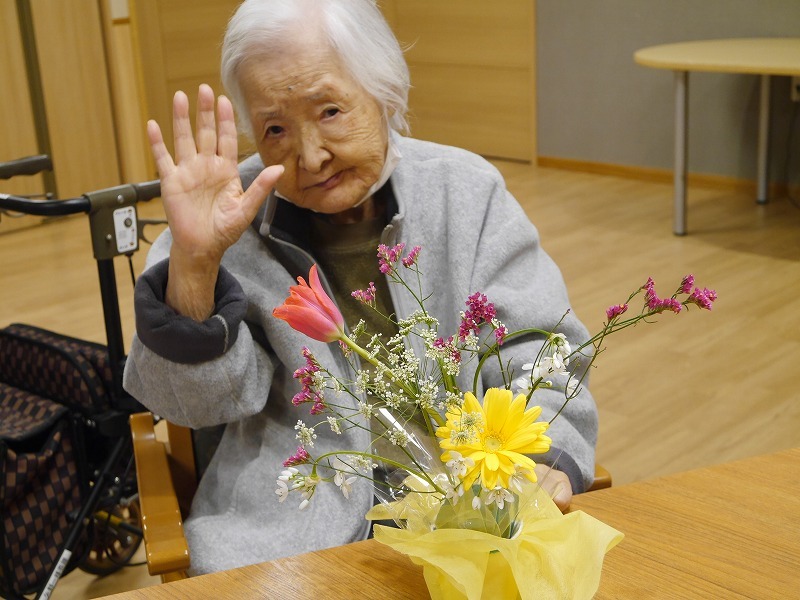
x=689, y=390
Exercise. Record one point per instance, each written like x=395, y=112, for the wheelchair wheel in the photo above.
x=116, y=536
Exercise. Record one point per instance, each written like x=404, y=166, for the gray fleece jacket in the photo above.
x=237, y=366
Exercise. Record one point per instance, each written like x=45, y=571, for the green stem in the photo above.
x=375, y=363
x=421, y=473
x=495, y=349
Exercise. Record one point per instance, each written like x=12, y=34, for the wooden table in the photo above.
x=729, y=531
x=758, y=56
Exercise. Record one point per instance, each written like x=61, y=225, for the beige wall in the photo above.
x=597, y=105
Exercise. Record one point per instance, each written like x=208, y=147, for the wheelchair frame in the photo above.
x=115, y=230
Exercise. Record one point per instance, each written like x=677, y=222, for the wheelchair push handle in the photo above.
x=147, y=190
x=128, y=194
x=87, y=203
x=28, y=165
x=44, y=208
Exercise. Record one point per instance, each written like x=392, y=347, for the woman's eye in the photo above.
x=274, y=130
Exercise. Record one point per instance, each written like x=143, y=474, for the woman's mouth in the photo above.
x=329, y=183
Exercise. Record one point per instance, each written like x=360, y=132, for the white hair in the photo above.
x=355, y=29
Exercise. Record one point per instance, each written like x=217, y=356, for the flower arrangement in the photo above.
x=442, y=460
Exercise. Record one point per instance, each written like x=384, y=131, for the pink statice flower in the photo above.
x=687, y=283
x=388, y=257
x=656, y=304
x=366, y=296
x=612, y=312
x=650, y=297
x=411, y=258
x=500, y=333
x=671, y=304
x=479, y=311
x=448, y=349
x=703, y=298
x=298, y=458
x=308, y=380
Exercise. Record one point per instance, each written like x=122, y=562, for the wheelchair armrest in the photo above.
x=165, y=544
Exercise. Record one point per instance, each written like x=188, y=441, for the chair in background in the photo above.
x=167, y=478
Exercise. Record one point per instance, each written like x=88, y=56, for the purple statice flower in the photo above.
x=479, y=310
x=411, y=258
x=387, y=257
x=614, y=311
x=366, y=296
x=298, y=458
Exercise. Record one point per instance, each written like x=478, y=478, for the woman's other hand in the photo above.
x=203, y=198
x=556, y=484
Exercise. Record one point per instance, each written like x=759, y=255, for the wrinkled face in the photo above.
x=309, y=115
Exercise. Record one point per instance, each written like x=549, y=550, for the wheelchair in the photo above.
x=68, y=490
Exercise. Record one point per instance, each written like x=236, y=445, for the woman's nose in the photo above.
x=313, y=152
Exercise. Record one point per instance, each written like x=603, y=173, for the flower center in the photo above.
x=492, y=442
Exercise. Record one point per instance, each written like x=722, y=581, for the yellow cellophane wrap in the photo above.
x=552, y=556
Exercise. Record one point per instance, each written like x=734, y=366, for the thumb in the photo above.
x=261, y=187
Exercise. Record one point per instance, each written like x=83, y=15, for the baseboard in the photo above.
x=661, y=175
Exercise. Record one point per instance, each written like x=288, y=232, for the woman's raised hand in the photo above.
x=203, y=198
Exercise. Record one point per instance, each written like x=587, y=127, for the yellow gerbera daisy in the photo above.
x=496, y=436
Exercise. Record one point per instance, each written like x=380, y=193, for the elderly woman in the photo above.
x=322, y=87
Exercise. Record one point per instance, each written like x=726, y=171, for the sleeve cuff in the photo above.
x=181, y=339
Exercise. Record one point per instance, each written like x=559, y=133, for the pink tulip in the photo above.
x=309, y=310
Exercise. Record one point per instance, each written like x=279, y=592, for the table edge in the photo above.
x=643, y=56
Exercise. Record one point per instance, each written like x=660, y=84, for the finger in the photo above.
x=556, y=484
x=206, y=124
x=228, y=142
x=254, y=196
x=562, y=496
x=182, y=128
x=161, y=155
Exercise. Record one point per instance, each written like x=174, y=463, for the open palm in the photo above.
x=202, y=194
